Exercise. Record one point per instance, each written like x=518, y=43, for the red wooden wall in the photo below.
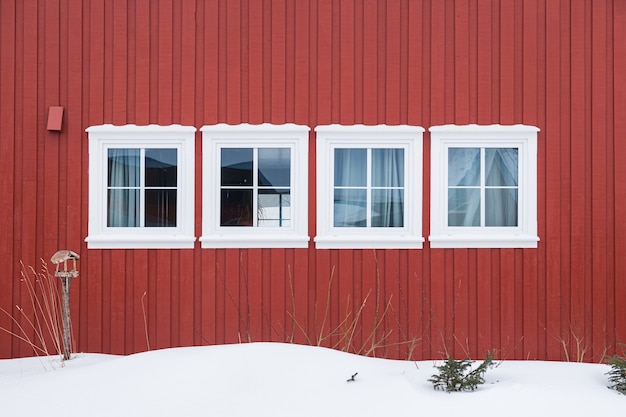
x=558, y=65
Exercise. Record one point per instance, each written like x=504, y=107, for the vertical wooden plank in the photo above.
x=370, y=66
x=484, y=301
x=324, y=61
x=278, y=62
x=278, y=308
x=567, y=324
x=619, y=153
x=551, y=168
x=290, y=64
x=529, y=301
x=472, y=314
x=48, y=148
x=165, y=63
x=437, y=63
x=162, y=269
x=174, y=299
x=610, y=179
x=346, y=57
x=255, y=62
x=392, y=67
x=255, y=294
x=415, y=62
x=188, y=63
x=507, y=300
x=231, y=277
x=8, y=155
x=599, y=176
x=460, y=300
x=141, y=301
x=302, y=64
x=484, y=72
x=141, y=64
x=461, y=62
x=117, y=300
x=345, y=284
x=211, y=61
x=507, y=61
x=209, y=305
x=233, y=62
x=76, y=149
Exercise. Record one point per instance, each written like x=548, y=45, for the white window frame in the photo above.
x=522, y=137
x=216, y=137
x=330, y=137
x=104, y=137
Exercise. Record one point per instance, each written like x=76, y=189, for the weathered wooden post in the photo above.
x=66, y=276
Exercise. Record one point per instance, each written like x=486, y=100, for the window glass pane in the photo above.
x=236, y=207
x=123, y=207
x=501, y=166
x=123, y=168
x=501, y=207
x=274, y=208
x=388, y=167
x=388, y=208
x=274, y=167
x=236, y=164
x=350, y=167
x=464, y=207
x=160, y=208
x=161, y=167
x=350, y=208
x=463, y=166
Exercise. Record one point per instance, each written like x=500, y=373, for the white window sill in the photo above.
x=368, y=242
x=490, y=241
x=254, y=241
x=140, y=242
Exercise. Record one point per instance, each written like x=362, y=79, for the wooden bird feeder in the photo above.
x=66, y=275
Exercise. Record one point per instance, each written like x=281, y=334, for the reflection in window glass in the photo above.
x=255, y=187
x=129, y=188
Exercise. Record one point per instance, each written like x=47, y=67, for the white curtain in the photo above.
x=501, y=181
x=123, y=193
x=386, y=200
x=500, y=185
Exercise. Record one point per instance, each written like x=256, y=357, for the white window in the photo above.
x=483, y=186
x=141, y=186
x=369, y=186
x=255, y=186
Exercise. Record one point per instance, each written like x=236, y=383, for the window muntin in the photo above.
x=255, y=186
x=141, y=192
x=483, y=186
x=369, y=186
x=142, y=187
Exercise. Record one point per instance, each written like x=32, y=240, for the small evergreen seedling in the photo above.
x=458, y=375
x=617, y=374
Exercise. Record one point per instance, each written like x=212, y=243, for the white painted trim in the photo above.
x=521, y=136
x=406, y=137
x=103, y=137
x=215, y=137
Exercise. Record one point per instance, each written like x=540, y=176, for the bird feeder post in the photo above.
x=62, y=257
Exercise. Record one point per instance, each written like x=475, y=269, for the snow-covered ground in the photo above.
x=274, y=379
